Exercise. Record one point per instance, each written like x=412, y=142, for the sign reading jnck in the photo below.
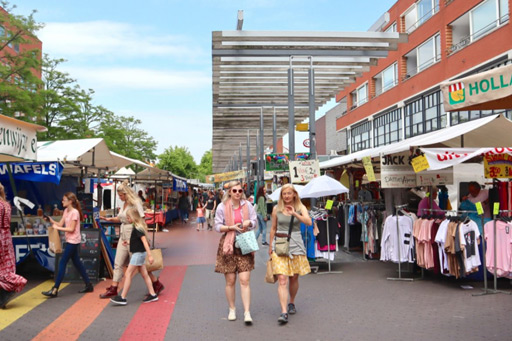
x=486, y=90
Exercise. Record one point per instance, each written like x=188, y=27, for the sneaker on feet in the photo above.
x=150, y=298
x=232, y=314
x=118, y=300
x=291, y=308
x=264, y=243
x=283, y=318
x=247, y=317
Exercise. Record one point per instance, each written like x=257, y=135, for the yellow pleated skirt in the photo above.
x=290, y=266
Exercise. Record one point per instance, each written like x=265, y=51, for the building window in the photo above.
x=423, y=56
x=458, y=117
x=419, y=13
x=360, y=136
x=386, y=79
x=424, y=115
x=359, y=96
x=478, y=22
x=391, y=28
x=387, y=128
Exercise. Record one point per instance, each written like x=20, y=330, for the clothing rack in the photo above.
x=487, y=291
x=400, y=278
x=328, y=250
x=366, y=205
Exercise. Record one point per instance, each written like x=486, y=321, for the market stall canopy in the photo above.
x=123, y=161
x=153, y=174
x=250, y=77
x=483, y=91
x=18, y=139
x=91, y=153
x=492, y=131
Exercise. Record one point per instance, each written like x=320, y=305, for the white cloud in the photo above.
x=111, y=39
x=138, y=78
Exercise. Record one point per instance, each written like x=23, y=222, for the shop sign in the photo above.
x=33, y=171
x=304, y=171
x=179, y=185
x=435, y=178
x=279, y=161
x=18, y=141
x=480, y=88
x=396, y=171
x=221, y=177
x=368, y=167
x=498, y=166
x=439, y=158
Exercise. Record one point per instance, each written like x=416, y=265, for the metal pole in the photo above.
x=257, y=158
x=312, y=122
x=262, y=151
x=291, y=114
x=248, y=161
x=274, y=132
x=240, y=164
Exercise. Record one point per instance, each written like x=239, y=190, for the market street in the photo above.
x=359, y=303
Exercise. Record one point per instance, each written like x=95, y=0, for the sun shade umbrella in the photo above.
x=322, y=186
x=275, y=195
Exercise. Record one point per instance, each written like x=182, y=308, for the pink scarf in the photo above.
x=229, y=241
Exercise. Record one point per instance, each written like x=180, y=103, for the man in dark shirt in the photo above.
x=211, y=205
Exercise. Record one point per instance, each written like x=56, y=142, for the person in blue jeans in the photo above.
x=262, y=215
x=70, y=223
x=183, y=206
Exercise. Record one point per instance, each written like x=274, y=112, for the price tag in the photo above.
x=357, y=183
x=496, y=209
x=368, y=167
x=420, y=163
x=328, y=204
x=479, y=208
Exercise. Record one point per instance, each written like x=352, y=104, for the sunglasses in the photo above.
x=237, y=191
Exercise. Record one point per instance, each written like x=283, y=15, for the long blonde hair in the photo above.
x=227, y=193
x=297, y=204
x=132, y=199
x=137, y=220
x=2, y=192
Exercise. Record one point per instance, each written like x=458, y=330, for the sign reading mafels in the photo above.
x=304, y=171
x=396, y=171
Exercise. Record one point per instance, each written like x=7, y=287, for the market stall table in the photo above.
x=158, y=219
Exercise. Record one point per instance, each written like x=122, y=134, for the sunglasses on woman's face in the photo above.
x=237, y=191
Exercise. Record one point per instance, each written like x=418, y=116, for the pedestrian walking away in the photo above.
x=289, y=211
x=261, y=211
x=210, y=207
x=70, y=223
x=235, y=215
x=10, y=282
x=183, y=206
x=131, y=200
x=139, y=248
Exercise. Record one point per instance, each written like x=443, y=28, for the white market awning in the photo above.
x=123, y=161
x=18, y=139
x=492, y=131
x=91, y=153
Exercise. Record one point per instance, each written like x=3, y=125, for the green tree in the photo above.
x=20, y=64
x=179, y=161
x=205, y=167
x=123, y=135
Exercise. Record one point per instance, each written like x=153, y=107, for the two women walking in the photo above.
x=236, y=215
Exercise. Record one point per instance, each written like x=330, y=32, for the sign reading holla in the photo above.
x=304, y=171
x=396, y=171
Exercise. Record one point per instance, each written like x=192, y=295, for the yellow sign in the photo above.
x=420, y=163
x=479, y=208
x=496, y=209
x=221, y=177
x=302, y=127
x=328, y=204
x=368, y=167
x=498, y=166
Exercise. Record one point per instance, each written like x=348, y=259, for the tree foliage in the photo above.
x=205, y=167
x=179, y=161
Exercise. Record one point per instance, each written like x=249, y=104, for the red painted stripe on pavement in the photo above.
x=151, y=320
x=77, y=318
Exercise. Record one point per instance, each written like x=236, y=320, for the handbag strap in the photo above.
x=291, y=227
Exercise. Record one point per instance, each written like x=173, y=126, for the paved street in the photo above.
x=359, y=303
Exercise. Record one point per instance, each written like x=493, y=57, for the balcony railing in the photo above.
x=422, y=19
x=470, y=38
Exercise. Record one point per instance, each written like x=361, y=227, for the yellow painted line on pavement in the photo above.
x=25, y=303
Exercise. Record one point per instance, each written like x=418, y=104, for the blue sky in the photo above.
x=152, y=59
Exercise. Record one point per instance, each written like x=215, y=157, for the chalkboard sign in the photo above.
x=89, y=252
x=85, y=200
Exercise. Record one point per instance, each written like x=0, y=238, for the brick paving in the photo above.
x=359, y=303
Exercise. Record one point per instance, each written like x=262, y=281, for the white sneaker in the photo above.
x=232, y=314
x=247, y=317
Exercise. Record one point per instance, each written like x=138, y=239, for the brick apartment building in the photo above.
x=400, y=97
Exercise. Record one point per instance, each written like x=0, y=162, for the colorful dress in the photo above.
x=9, y=280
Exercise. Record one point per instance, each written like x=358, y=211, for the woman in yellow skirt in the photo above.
x=289, y=267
